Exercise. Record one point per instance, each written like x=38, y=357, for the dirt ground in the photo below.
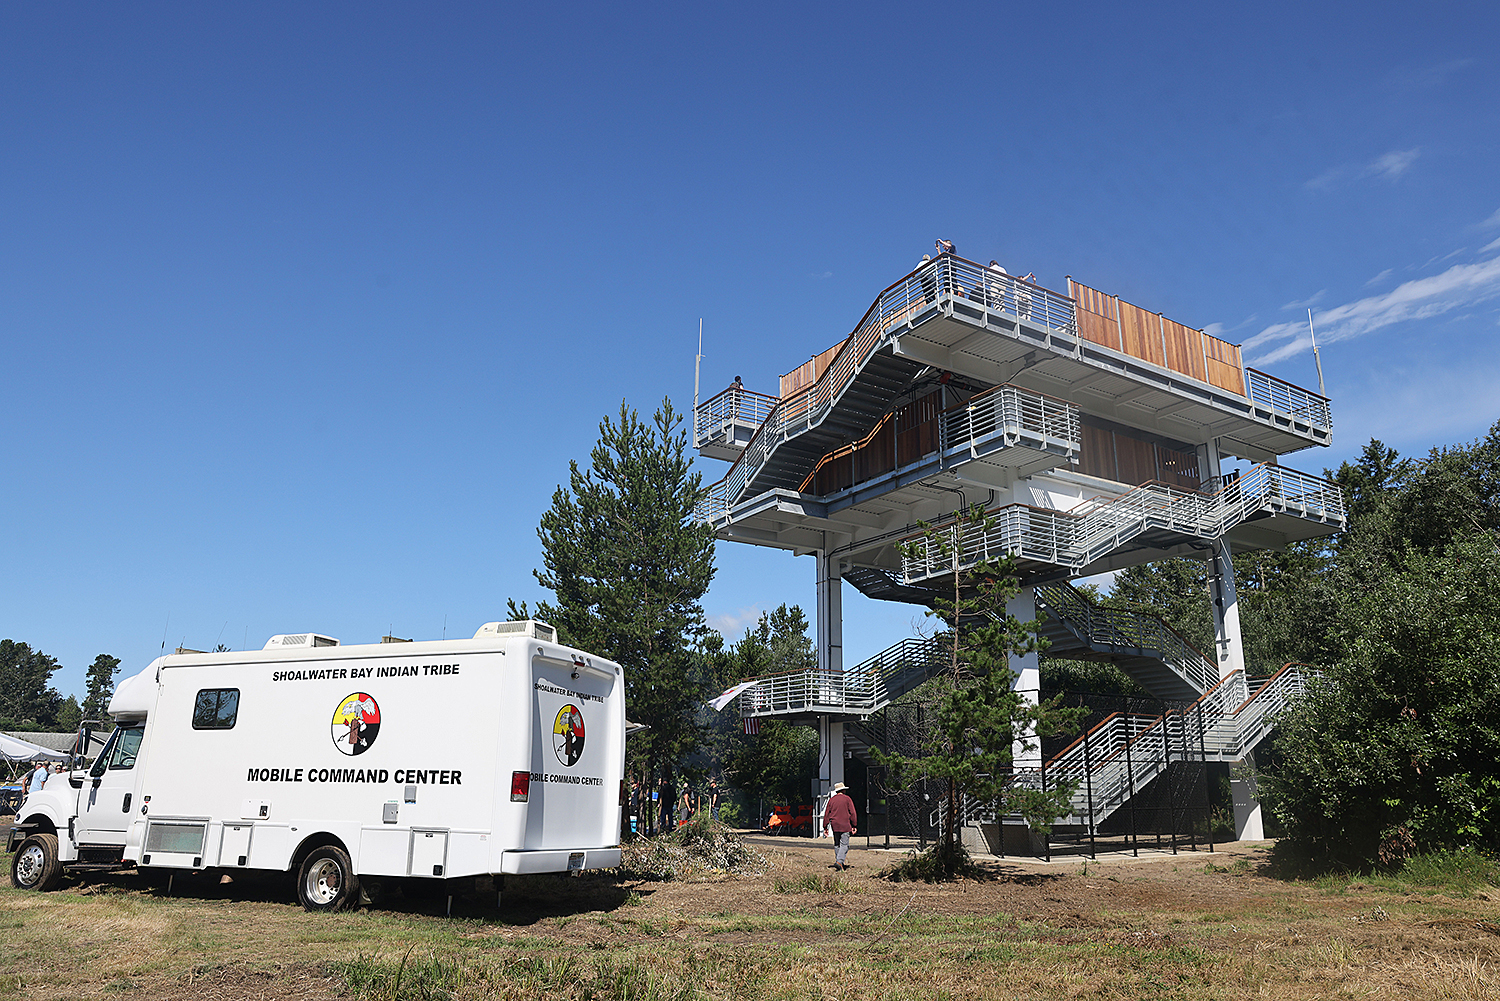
x=1194, y=925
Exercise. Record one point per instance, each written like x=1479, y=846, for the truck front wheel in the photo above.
x=326, y=881
x=35, y=865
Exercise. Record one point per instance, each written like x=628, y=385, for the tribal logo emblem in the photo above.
x=567, y=735
x=356, y=724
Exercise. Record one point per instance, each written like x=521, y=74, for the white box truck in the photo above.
x=426, y=760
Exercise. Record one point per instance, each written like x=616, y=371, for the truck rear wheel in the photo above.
x=326, y=881
x=35, y=865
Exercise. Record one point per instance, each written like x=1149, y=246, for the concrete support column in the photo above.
x=1246, y=794
x=830, y=667
x=1229, y=648
x=830, y=613
x=830, y=766
x=1028, y=680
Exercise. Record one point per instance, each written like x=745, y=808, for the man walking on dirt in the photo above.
x=840, y=817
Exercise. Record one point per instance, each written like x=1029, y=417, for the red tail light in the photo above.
x=520, y=786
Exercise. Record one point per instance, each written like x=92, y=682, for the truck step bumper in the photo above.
x=559, y=860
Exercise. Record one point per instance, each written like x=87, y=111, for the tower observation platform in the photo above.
x=1093, y=430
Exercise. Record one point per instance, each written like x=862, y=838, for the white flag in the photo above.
x=723, y=700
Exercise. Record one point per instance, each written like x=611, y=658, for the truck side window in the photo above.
x=216, y=709
x=127, y=747
x=124, y=744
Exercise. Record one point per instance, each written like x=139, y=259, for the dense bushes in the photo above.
x=1398, y=750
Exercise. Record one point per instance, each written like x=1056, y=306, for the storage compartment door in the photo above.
x=429, y=853
x=234, y=847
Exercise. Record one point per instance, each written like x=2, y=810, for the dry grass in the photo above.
x=1165, y=929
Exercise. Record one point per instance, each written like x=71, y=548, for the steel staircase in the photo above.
x=864, y=689
x=910, y=300
x=1143, y=646
x=1125, y=752
x=1076, y=538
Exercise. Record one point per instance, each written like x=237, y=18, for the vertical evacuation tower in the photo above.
x=1094, y=431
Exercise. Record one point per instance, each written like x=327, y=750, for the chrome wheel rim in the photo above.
x=323, y=882
x=29, y=865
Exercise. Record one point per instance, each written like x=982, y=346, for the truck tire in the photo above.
x=326, y=881
x=35, y=865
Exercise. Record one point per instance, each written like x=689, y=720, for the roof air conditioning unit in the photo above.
x=283, y=641
x=528, y=627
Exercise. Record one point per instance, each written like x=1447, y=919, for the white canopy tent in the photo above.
x=14, y=749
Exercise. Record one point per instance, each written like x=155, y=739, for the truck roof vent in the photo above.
x=284, y=640
x=527, y=627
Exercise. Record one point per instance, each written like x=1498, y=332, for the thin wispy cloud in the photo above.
x=732, y=625
x=1460, y=287
x=1393, y=164
x=1311, y=300
x=1427, y=77
x=1219, y=330
x=1387, y=167
x=1380, y=277
x=1492, y=222
x=1493, y=245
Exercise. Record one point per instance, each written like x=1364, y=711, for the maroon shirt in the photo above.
x=839, y=814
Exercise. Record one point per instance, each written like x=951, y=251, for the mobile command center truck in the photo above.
x=427, y=760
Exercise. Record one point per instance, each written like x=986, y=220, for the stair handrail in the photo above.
x=1100, y=525
x=734, y=404
x=868, y=682
x=808, y=406
x=1121, y=628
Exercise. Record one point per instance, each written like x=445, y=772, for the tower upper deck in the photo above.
x=1113, y=360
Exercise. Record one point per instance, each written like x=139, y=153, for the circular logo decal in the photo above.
x=356, y=723
x=567, y=735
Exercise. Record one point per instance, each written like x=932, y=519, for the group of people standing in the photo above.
x=36, y=779
x=664, y=808
x=997, y=289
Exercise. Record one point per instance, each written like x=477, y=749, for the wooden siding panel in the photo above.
x=917, y=428
x=1094, y=300
x=809, y=372
x=1177, y=468
x=1224, y=367
x=1184, y=349
x=1136, y=458
x=1140, y=333
x=1098, y=329
x=877, y=454
x=1096, y=457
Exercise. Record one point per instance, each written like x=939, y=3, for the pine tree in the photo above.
x=628, y=566
x=101, y=681
x=26, y=698
x=979, y=720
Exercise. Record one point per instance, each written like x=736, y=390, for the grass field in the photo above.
x=1187, y=926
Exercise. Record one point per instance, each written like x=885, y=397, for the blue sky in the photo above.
x=304, y=308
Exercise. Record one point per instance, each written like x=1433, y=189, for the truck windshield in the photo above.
x=124, y=744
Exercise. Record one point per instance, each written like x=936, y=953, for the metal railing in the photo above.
x=909, y=297
x=1101, y=626
x=912, y=296
x=1123, y=753
x=1076, y=538
x=1010, y=412
x=735, y=405
x=863, y=689
x=1293, y=401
